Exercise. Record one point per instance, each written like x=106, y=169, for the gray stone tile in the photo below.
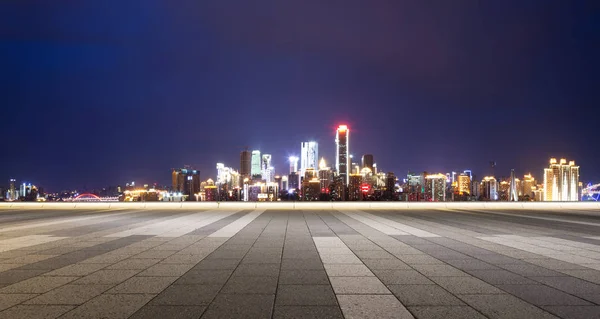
x=171, y=312
x=12, y=276
x=575, y=312
x=424, y=295
x=166, y=270
x=421, y=259
x=155, y=254
x=36, y=285
x=358, y=285
x=385, y=264
x=307, y=312
x=34, y=311
x=76, y=270
x=143, y=285
x=227, y=306
x=466, y=285
x=504, y=306
x=187, y=295
x=227, y=254
x=69, y=295
x=402, y=277
x=541, y=295
x=588, y=274
x=250, y=285
x=9, y=300
x=106, y=277
x=497, y=259
x=553, y=264
x=570, y=285
x=530, y=270
x=374, y=254
x=204, y=277
x=501, y=277
x=303, y=277
x=135, y=263
x=471, y=264
x=183, y=259
x=110, y=306
x=305, y=295
x=296, y=263
x=439, y=271
x=372, y=306
x=257, y=270
x=445, y=312
x=347, y=270
x=262, y=259
x=217, y=264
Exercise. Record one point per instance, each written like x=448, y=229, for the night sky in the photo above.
x=98, y=93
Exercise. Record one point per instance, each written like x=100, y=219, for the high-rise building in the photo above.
x=255, y=169
x=293, y=181
x=12, y=194
x=186, y=181
x=267, y=171
x=367, y=161
x=514, y=194
x=342, y=158
x=469, y=173
x=561, y=181
x=489, y=188
x=325, y=176
x=245, y=163
x=309, y=156
x=227, y=177
x=476, y=189
x=354, y=187
x=528, y=185
x=435, y=187
x=284, y=183
x=293, y=164
x=464, y=184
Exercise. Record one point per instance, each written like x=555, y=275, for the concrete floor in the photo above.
x=271, y=263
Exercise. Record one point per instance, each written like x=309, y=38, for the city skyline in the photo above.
x=261, y=162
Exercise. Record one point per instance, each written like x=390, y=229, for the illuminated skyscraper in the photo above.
x=469, y=173
x=528, y=186
x=561, y=181
x=354, y=190
x=309, y=156
x=342, y=140
x=325, y=176
x=255, y=169
x=464, y=184
x=489, y=188
x=245, y=163
x=514, y=194
x=267, y=171
x=367, y=161
x=293, y=164
x=435, y=187
x=186, y=181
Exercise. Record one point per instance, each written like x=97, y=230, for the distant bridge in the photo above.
x=87, y=197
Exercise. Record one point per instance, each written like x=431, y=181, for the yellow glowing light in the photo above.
x=322, y=164
x=434, y=176
x=343, y=128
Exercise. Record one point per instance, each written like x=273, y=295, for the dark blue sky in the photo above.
x=103, y=92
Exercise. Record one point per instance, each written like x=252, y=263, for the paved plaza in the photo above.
x=266, y=262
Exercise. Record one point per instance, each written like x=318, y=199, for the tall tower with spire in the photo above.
x=514, y=195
